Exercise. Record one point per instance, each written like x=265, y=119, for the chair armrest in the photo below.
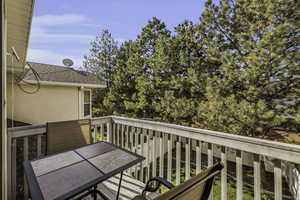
x=160, y=181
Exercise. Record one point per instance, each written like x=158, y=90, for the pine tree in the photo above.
x=133, y=78
x=237, y=70
x=174, y=58
x=257, y=44
x=102, y=57
x=123, y=92
x=101, y=62
x=150, y=35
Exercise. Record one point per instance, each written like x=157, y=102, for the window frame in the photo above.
x=90, y=103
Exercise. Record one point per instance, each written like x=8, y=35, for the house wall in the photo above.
x=50, y=103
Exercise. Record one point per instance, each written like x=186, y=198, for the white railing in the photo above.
x=20, y=146
x=170, y=148
x=29, y=142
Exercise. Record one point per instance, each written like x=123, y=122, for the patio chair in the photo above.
x=67, y=135
x=196, y=188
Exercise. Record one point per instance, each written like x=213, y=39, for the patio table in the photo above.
x=77, y=172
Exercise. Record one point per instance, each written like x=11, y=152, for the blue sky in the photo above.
x=64, y=28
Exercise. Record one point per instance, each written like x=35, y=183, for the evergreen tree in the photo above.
x=154, y=31
x=101, y=62
x=133, y=79
x=257, y=44
x=237, y=70
x=149, y=35
x=175, y=60
x=123, y=93
x=102, y=57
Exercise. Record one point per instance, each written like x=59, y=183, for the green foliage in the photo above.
x=237, y=70
x=133, y=89
x=98, y=108
x=102, y=57
x=101, y=61
x=259, y=72
x=248, y=192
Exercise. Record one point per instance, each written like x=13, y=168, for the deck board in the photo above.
x=129, y=189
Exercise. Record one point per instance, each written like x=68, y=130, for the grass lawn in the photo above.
x=231, y=188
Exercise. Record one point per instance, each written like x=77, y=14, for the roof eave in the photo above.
x=65, y=84
x=18, y=22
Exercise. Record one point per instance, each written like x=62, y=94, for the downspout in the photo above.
x=80, y=103
x=3, y=138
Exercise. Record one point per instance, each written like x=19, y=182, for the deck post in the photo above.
x=198, y=156
x=224, y=173
x=277, y=179
x=178, y=160
x=109, y=131
x=187, y=159
x=170, y=140
x=210, y=162
x=239, y=175
x=257, y=177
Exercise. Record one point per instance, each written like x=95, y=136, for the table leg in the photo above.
x=119, y=185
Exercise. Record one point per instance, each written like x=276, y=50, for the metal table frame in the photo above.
x=36, y=193
x=95, y=191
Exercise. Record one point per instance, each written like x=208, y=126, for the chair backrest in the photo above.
x=196, y=188
x=67, y=135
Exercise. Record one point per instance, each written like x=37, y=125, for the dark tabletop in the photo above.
x=66, y=174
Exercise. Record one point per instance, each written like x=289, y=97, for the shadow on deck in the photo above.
x=129, y=189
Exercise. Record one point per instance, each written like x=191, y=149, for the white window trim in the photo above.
x=90, y=115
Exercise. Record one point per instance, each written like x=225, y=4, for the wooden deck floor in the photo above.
x=129, y=189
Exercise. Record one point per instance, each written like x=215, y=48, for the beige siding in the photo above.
x=50, y=103
x=19, y=17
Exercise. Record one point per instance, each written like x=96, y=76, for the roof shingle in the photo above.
x=56, y=73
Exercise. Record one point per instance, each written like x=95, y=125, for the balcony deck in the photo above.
x=175, y=153
x=130, y=187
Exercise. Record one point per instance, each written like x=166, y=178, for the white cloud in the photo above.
x=51, y=57
x=50, y=20
x=54, y=37
x=43, y=26
x=43, y=37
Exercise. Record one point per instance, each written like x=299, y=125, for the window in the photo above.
x=87, y=103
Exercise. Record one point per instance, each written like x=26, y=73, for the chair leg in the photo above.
x=95, y=192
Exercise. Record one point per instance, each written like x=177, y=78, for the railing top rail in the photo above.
x=24, y=131
x=30, y=130
x=101, y=120
x=277, y=150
